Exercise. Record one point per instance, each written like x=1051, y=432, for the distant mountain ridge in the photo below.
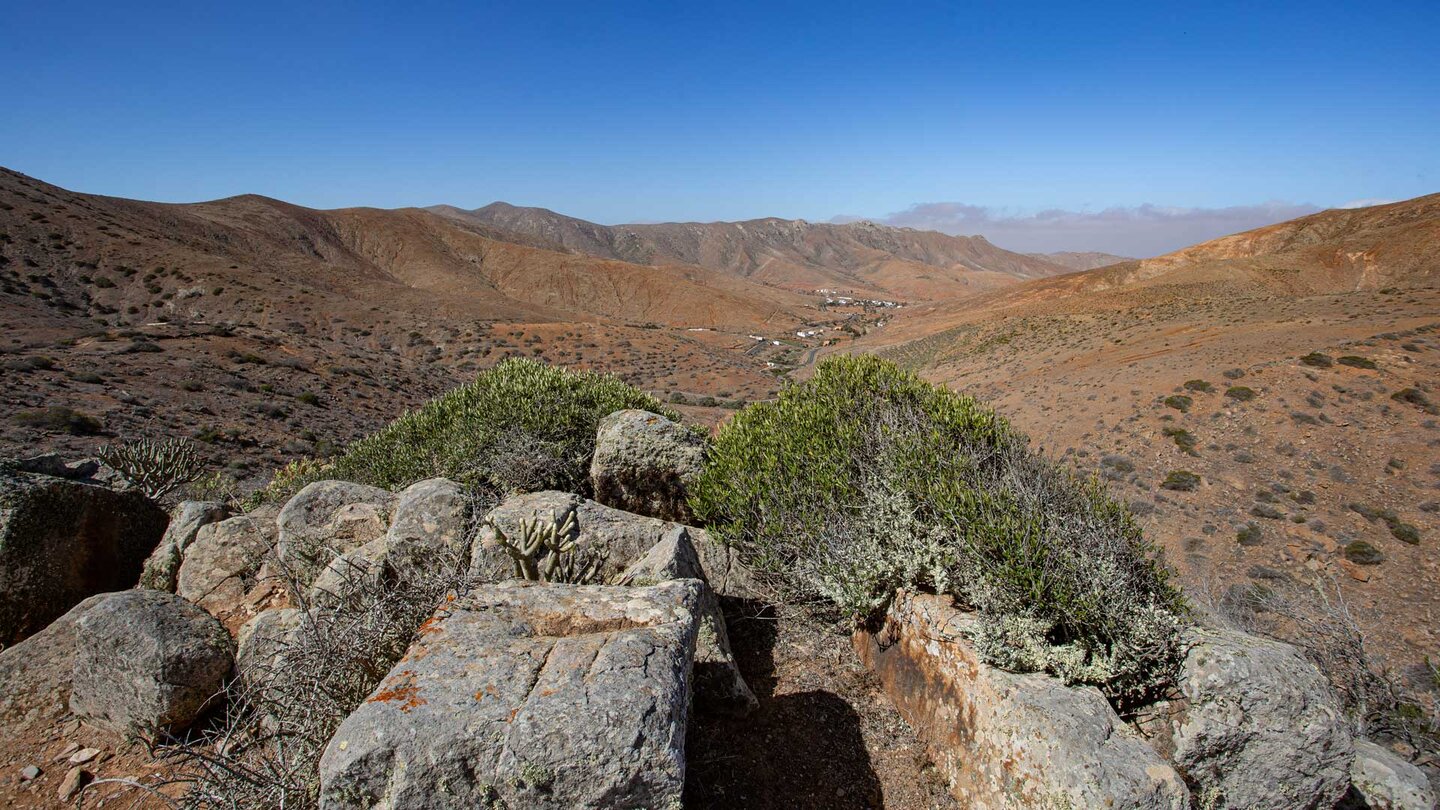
x=793, y=254
x=1082, y=260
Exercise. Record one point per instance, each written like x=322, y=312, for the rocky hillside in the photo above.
x=859, y=257
x=1081, y=260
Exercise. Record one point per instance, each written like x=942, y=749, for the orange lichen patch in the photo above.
x=488, y=690
x=430, y=625
x=407, y=696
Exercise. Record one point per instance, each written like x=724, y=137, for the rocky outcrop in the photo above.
x=186, y=519
x=1382, y=780
x=1258, y=727
x=147, y=660
x=529, y=695
x=431, y=528
x=61, y=541
x=717, y=677
x=645, y=463
x=1003, y=739
x=223, y=562
x=327, y=519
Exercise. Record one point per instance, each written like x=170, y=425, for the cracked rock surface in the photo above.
x=529, y=695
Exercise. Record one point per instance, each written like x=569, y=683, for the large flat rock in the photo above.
x=1003, y=739
x=529, y=695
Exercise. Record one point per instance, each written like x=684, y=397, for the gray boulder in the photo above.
x=147, y=660
x=223, y=562
x=717, y=676
x=186, y=518
x=609, y=536
x=53, y=464
x=349, y=575
x=645, y=463
x=327, y=519
x=1258, y=727
x=258, y=644
x=1382, y=780
x=35, y=674
x=528, y=695
x=61, y=541
x=431, y=529
x=1002, y=739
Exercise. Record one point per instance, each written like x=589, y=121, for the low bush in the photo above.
x=1416, y=397
x=1179, y=402
x=60, y=419
x=1317, y=360
x=1355, y=361
x=1181, y=481
x=1200, y=386
x=1184, y=439
x=1240, y=393
x=865, y=479
x=520, y=426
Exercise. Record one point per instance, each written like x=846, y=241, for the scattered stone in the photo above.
x=645, y=463
x=717, y=676
x=30, y=773
x=185, y=521
x=75, y=781
x=66, y=752
x=528, y=695
x=1003, y=739
x=52, y=464
x=83, y=756
x=432, y=526
x=61, y=541
x=1258, y=724
x=1382, y=780
x=147, y=660
x=327, y=519
x=222, y=563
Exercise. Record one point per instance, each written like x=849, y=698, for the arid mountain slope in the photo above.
x=1205, y=362
x=227, y=320
x=1081, y=260
x=859, y=257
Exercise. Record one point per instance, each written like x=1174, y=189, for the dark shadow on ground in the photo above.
x=798, y=751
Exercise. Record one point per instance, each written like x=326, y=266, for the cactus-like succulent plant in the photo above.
x=546, y=551
x=156, y=467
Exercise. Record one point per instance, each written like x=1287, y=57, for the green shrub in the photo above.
x=1416, y=397
x=865, y=479
x=1199, y=385
x=522, y=425
x=1363, y=553
x=1317, y=360
x=60, y=419
x=1184, y=439
x=1248, y=535
x=1181, y=481
x=1179, y=402
x=1240, y=393
x=1355, y=361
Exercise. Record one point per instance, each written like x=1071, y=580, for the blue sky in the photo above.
x=629, y=111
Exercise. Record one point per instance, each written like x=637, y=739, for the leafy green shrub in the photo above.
x=1181, y=481
x=1248, y=535
x=865, y=479
x=308, y=397
x=1199, y=385
x=1402, y=531
x=59, y=419
x=1355, y=361
x=521, y=425
x=1240, y=393
x=1317, y=360
x=1179, y=402
x=1233, y=373
x=1184, y=439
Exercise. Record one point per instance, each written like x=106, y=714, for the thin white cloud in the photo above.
x=1365, y=203
x=1138, y=231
